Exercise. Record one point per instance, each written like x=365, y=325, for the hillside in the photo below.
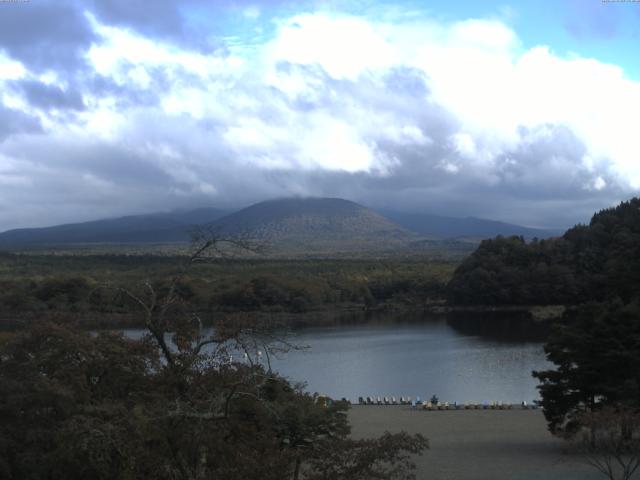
x=295, y=225
x=151, y=228
x=312, y=225
x=589, y=262
x=468, y=227
x=316, y=223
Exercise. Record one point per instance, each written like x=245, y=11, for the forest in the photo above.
x=597, y=261
x=173, y=404
x=83, y=286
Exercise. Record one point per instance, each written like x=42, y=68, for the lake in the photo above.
x=460, y=360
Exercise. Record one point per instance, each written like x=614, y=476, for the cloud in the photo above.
x=41, y=95
x=144, y=113
x=15, y=122
x=45, y=35
x=187, y=23
x=162, y=19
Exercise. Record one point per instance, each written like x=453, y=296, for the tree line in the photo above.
x=43, y=285
x=597, y=261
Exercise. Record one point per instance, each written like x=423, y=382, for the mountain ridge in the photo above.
x=166, y=227
x=456, y=227
x=300, y=221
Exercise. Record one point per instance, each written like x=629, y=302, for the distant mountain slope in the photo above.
x=451, y=227
x=311, y=219
x=151, y=228
x=305, y=225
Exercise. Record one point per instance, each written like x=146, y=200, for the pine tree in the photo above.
x=597, y=358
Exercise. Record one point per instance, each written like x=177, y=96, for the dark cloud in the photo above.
x=165, y=19
x=547, y=161
x=84, y=181
x=51, y=34
x=16, y=122
x=45, y=34
x=541, y=181
x=160, y=18
x=126, y=96
x=188, y=23
x=45, y=96
x=114, y=164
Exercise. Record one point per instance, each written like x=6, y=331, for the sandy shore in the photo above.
x=477, y=444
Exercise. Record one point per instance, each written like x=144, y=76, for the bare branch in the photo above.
x=610, y=442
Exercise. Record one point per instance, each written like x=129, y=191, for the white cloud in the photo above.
x=476, y=70
x=464, y=144
x=402, y=104
x=125, y=56
x=342, y=46
x=599, y=183
x=10, y=69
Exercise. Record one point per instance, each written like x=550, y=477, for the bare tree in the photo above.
x=165, y=311
x=212, y=399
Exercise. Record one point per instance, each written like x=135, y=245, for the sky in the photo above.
x=522, y=111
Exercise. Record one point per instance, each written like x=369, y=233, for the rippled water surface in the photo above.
x=411, y=359
x=415, y=359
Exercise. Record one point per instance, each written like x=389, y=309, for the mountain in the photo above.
x=312, y=225
x=151, y=228
x=313, y=222
x=452, y=227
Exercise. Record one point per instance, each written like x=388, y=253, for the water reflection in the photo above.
x=414, y=359
x=458, y=358
x=515, y=327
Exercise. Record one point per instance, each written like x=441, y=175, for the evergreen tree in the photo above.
x=592, y=262
x=597, y=359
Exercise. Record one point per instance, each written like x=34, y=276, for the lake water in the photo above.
x=414, y=359
x=454, y=360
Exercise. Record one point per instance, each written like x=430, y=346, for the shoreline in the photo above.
x=349, y=314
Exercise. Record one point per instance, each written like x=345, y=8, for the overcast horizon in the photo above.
x=510, y=111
